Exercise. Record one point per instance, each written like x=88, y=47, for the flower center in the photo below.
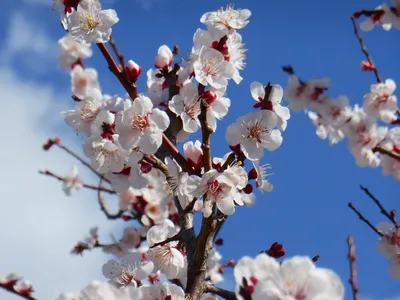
x=255, y=131
x=381, y=99
x=192, y=109
x=81, y=83
x=212, y=66
x=140, y=122
x=214, y=188
x=89, y=111
x=88, y=22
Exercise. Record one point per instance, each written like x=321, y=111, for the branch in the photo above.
x=88, y=186
x=12, y=290
x=366, y=221
x=387, y=152
x=364, y=49
x=266, y=102
x=103, y=208
x=228, y=295
x=175, y=154
x=113, y=67
x=391, y=217
x=69, y=151
x=205, y=133
x=353, y=271
x=120, y=56
x=176, y=237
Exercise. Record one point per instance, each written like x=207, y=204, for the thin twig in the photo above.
x=228, y=295
x=88, y=186
x=176, y=237
x=103, y=207
x=364, y=49
x=353, y=271
x=72, y=153
x=366, y=221
x=120, y=56
x=12, y=290
x=387, y=152
x=383, y=210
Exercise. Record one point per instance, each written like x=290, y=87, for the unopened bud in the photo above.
x=367, y=66
x=145, y=167
x=219, y=242
x=276, y=250
x=133, y=71
x=209, y=97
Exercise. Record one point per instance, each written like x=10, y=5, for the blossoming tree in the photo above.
x=131, y=144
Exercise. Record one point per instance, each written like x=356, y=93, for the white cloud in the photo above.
x=29, y=41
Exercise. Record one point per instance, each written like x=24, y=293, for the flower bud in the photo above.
x=367, y=66
x=133, y=71
x=164, y=58
x=219, y=242
x=209, y=97
x=248, y=189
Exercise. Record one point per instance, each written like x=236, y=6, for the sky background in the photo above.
x=307, y=211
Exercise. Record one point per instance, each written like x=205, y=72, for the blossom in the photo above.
x=186, y=105
x=139, y=125
x=85, y=112
x=380, y=101
x=72, y=182
x=226, y=19
x=106, y=154
x=194, y=154
x=218, y=106
x=389, y=243
x=164, y=58
x=390, y=165
x=166, y=258
x=254, y=132
x=128, y=270
x=163, y=291
x=383, y=19
x=212, y=68
x=217, y=187
x=71, y=51
x=258, y=93
x=90, y=24
x=295, y=278
x=83, y=80
x=132, y=70
x=261, y=174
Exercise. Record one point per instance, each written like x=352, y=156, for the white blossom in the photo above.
x=72, y=182
x=161, y=291
x=226, y=19
x=83, y=80
x=71, y=51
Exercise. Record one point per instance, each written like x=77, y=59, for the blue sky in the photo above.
x=307, y=211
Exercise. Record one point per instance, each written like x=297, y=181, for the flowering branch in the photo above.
x=390, y=216
x=365, y=220
x=228, y=295
x=12, y=290
x=103, y=208
x=353, y=271
x=120, y=56
x=69, y=151
x=364, y=49
x=88, y=186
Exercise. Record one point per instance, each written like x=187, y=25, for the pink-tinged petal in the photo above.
x=257, y=90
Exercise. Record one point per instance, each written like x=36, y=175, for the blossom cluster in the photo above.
x=389, y=246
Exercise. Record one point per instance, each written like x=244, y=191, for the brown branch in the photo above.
x=113, y=67
x=387, y=152
x=265, y=101
x=103, y=207
x=353, y=271
x=390, y=216
x=176, y=237
x=368, y=13
x=88, y=186
x=69, y=151
x=205, y=133
x=12, y=290
x=175, y=154
x=120, y=56
x=228, y=162
x=364, y=49
x=366, y=221
x=228, y=295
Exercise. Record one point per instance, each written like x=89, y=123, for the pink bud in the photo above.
x=164, y=58
x=133, y=71
x=209, y=97
x=219, y=242
x=367, y=66
x=145, y=167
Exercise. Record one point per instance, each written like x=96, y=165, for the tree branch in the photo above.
x=228, y=295
x=366, y=221
x=88, y=186
x=364, y=49
x=69, y=151
x=387, y=152
x=383, y=210
x=120, y=56
x=353, y=271
x=103, y=208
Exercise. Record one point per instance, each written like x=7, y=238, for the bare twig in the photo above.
x=384, y=212
x=72, y=153
x=12, y=290
x=120, y=56
x=177, y=237
x=228, y=295
x=353, y=271
x=366, y=221
x=364, y=49
x=315, y=258
x=103, y=207
x=88, y=186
